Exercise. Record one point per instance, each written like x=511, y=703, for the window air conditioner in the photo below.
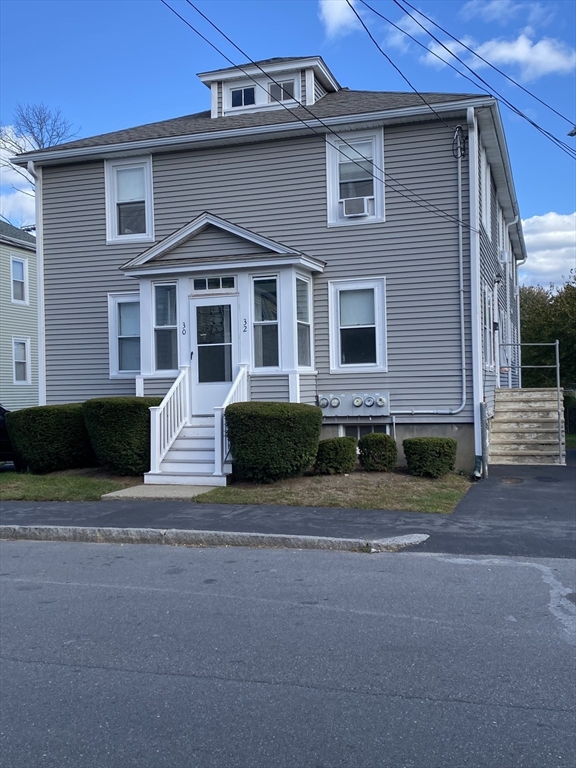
x=355, y=206
x=504, y=257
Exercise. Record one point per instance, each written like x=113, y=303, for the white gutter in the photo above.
x=452, y=411
x=36, y=173
x=104, y=150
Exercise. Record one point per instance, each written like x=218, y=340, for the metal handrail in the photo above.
x=556, y=345
x=237, y=393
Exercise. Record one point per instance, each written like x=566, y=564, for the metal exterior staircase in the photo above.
x=527, y=428
x=191, y=457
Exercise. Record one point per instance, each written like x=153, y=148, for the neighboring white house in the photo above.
x=18, y=318
x=297, y=241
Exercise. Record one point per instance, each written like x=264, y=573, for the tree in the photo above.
x=547, y=314
x=35, y=126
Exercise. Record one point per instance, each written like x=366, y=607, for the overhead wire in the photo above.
x=560, y=144
x=414, y=197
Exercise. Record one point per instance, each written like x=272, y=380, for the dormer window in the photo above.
x=281, y=91
x=243, y=97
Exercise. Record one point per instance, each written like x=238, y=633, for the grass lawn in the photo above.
x=571, y=441
x=364, y=490
x=70, y=485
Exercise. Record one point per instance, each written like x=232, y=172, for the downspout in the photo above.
x=453, y=411
x=36, y=174
x=475, y=316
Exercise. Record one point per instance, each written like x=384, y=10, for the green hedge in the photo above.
x=49, y=438
x=336, y=456
x=119, y=429
x=378, y=452
x=430, y=456
x=271, y=441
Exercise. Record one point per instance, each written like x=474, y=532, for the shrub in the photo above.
x=48, y=438
x=336, y=456
x=430, y=456
x=119, y=429
x=271, y=441
x=378, y=452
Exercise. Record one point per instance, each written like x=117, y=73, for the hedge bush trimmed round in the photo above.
x=49, y=438
x=272, y=441
x=336, y=456
x=430, y=456
x=378, y=452
x=119, y=429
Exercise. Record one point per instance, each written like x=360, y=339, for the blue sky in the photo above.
x=110, y=64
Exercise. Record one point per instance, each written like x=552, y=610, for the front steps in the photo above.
x=524, y=429
x=190, y=460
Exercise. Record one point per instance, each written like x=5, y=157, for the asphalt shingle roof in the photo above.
x=340, y=103
x=7, y=230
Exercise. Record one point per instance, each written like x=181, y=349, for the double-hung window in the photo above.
x=124, y=334
x=129, y=214
x=281, y=91
x=355, y=178
x=19, y=275
x=358, y=325
x=303, y=329
x=243, y=97
x=21, y=360
x=165, y=327
x=265, y=324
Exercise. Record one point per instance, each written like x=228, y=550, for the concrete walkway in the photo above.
x=528, y=511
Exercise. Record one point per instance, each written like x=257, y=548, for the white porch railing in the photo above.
x=168, y=418
x=238, y=394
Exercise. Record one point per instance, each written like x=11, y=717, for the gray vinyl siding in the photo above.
x=274, y=388
x=214, y=243
x=157, y=387
x=303, y=86
x=319, y=90
x=308, y=389
x=17, y=320
x=220, y=106
x=277, y=188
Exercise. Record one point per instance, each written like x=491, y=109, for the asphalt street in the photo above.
x=150, y=657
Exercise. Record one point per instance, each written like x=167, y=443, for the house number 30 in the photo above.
x=183, y=329
x=245, y=326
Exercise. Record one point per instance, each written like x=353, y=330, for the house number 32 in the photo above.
x=184, y=329
x=245, y=326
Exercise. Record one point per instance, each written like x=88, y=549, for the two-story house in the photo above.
x=18, y=318
x=298, y=241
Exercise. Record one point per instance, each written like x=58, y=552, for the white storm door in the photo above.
x=214, y=351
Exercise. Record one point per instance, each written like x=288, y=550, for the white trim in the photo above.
x=40, y=302
x=261, y=86
x=253, y=323
x=335, y=148
x=27, y=362
x=110, y=168
x=488, y=315
x=304, y=262
x=198, y=224
x=251, y=70
x=155, y=327
x=25, y=302
x=114, y=299
x=214, y=100
x=378, y=284
x=310, y=80
x=308, y=280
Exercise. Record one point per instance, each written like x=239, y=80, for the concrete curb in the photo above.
x=177, y=537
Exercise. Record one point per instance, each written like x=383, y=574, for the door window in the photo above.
x=214, y=340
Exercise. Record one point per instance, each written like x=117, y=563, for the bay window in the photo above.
x=303, y=323
x=124, y=334
x=165, y=327
x=265, y=324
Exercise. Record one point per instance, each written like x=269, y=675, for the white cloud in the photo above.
x=506, y=11
x=534, y=59
x=17, y=207
x=551, y=245
x=16, y=190
x=397, y=39
x=337, y=16
x=438, y=55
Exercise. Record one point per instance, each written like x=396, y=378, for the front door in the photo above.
x=213, y=332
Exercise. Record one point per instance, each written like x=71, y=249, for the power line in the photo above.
x=560, y=144
x=402, y=75
x=493, y=66
x=415, y=199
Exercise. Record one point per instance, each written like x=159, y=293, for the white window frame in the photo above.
x=28, y=380
x=156, y=327
x=488, y=347
x=111, y=167
x=21, y=302
x=308, y=281
x=254, y=322
x=261, y=87
x=486, y=182
x=335, y=146
x=114, y=299
x=281, y=81
x=335, y=287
